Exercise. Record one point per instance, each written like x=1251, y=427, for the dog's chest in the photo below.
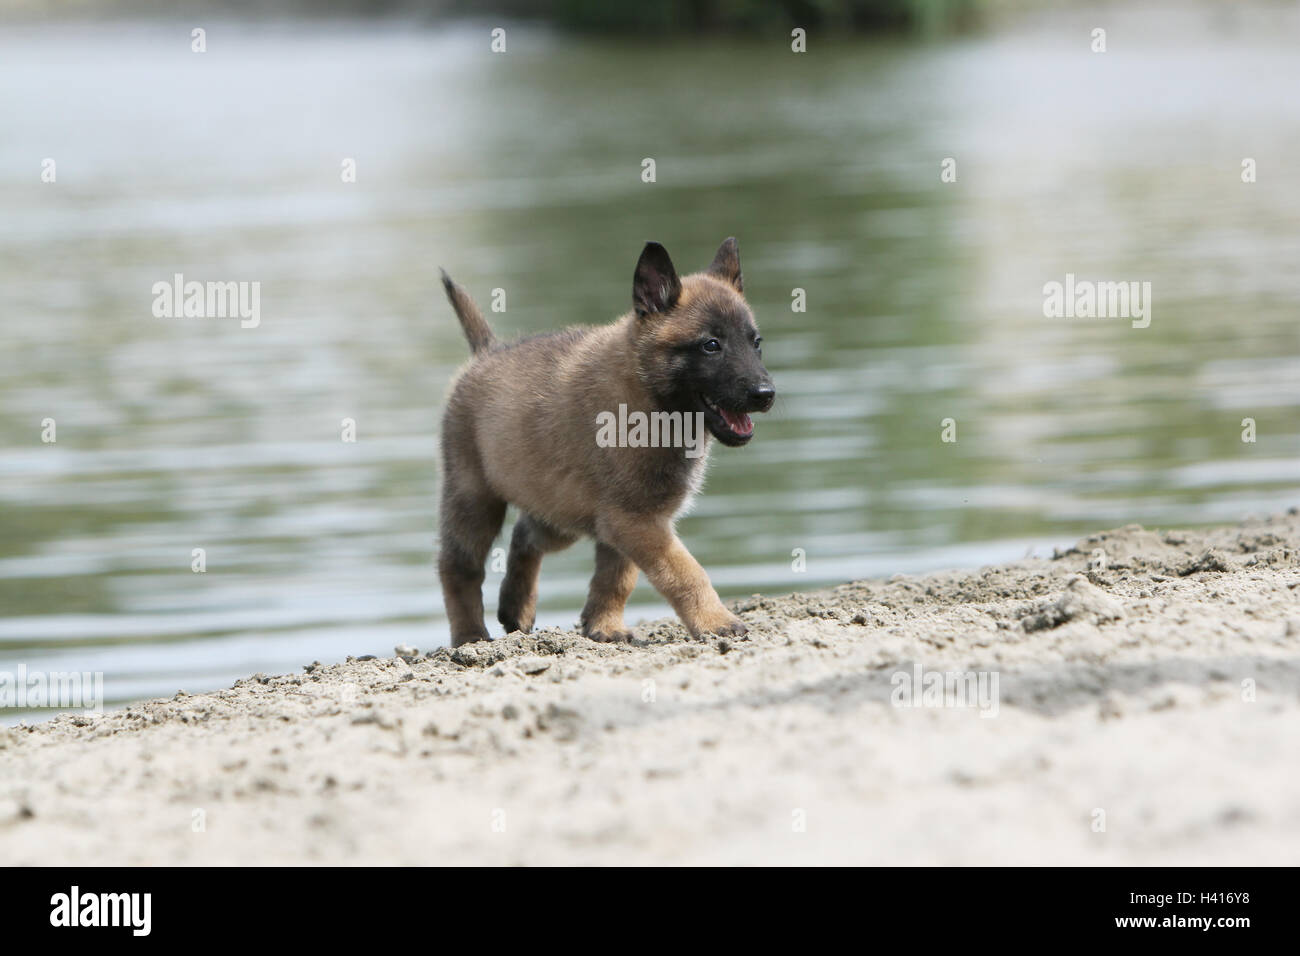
x=657, y=480
x=694, y=484
x=679, y=483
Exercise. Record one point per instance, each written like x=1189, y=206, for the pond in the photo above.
x=900, y=210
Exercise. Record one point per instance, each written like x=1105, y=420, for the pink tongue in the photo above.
x=738, y=422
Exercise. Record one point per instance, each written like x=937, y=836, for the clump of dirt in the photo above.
x=1081, y=600
x=1207, y=560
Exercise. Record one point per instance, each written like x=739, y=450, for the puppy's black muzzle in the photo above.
x=761, y=397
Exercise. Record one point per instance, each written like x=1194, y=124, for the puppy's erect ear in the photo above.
x=655, y=286
x=726, y=264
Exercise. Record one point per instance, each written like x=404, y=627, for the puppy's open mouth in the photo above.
x=728, y=427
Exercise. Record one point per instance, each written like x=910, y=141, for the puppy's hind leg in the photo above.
x=468, y=525
x=532, y=538
x=611, y=586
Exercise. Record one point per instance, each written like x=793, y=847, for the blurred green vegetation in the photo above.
x=645, y=18
x=749, y=16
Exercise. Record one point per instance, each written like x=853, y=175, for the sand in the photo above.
x=1147, y=711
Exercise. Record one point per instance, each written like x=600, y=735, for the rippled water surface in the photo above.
x=522, y=172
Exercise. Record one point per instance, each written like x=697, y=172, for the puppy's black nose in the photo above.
x=762, y=396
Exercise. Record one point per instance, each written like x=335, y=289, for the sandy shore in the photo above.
x=1150, y=676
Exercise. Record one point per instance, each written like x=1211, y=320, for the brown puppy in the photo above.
x=556, y=424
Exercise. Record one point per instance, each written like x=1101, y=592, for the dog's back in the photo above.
x=526, y=412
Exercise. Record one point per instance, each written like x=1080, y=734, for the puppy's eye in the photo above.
x=758, y=343
x=712, y=345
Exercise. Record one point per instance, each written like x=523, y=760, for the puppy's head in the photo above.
x=698, y=347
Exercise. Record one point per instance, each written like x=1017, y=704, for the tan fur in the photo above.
x=520, y=427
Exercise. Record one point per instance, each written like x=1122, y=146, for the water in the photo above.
x=522, y=171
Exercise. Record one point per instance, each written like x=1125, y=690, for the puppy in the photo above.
x=529, y=423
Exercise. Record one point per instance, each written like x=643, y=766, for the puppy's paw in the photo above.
x=605, y=626
x=734, y=628
x=725, y=624
x=457, y=640
x=609, y=637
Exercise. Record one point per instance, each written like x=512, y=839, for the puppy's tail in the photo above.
x=476, y=328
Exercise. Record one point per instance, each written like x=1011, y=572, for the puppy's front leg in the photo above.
x=611, y=586
x=654, y=547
